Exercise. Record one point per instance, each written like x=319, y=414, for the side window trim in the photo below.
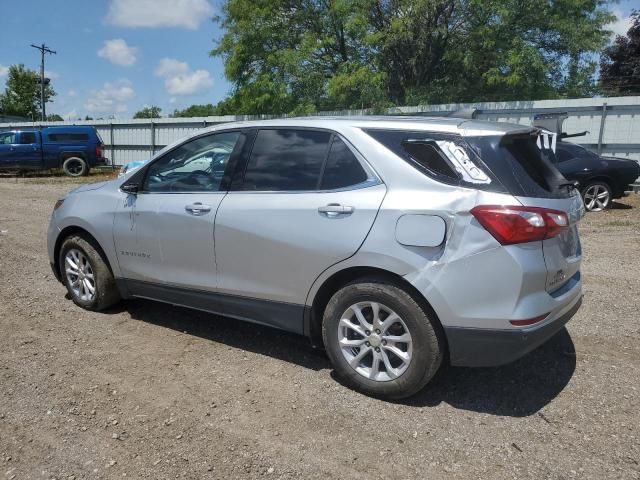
x=332, y=139
x=223, y=187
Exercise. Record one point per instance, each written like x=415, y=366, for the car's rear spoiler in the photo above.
x=553, y=123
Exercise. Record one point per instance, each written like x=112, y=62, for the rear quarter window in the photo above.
x=425, y=151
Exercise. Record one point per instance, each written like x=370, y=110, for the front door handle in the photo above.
x=335, y=209
x=198, y=208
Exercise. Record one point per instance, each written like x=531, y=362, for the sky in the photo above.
x=115, y=57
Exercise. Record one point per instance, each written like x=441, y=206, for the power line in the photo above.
x=43, y=49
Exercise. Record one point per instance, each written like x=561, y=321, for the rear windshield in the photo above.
x=517, y=164
x=523, y=163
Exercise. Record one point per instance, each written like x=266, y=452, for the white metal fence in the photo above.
x=613, y=124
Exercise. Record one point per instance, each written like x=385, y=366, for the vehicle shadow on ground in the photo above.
x=619, y=206
x=228, y=331
x=518, y=389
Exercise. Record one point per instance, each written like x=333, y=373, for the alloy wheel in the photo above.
x=80, y=275
x=375, y=341
x=596, y=197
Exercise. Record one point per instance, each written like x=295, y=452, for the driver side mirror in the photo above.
x=130, y=188
x=134, y=184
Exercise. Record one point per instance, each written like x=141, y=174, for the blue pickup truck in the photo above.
x=75, y=149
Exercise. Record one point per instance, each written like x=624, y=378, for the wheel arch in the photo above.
x=599, y=178
x=315, y=311
x=69, y=154
x=72, y=230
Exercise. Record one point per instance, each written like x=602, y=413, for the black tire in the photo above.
x=106, y=291
x=428, y=346
x=75, y=167
x=599, y=188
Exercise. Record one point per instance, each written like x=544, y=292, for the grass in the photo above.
x=56, y=176
x=620, y=223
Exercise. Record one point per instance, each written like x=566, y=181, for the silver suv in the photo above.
x=396, y=243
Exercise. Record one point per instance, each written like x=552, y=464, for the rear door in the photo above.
x=307, y=201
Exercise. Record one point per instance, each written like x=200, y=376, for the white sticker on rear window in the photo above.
x=462, y=163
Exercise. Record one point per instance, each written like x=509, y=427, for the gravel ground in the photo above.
x=150, y=391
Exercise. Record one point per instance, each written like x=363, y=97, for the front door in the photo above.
x=307, y=201
x=164, y=233
x=27, y=151
x=7, y=149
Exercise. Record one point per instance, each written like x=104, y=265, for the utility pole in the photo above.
x=43, y=49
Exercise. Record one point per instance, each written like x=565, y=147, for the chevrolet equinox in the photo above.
x=397, y=244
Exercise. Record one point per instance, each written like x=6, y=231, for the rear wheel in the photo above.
x=75, y=167
x=86, y=275
x=380, y=340
x=596, y=196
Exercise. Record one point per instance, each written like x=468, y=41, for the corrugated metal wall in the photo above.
x=613, y=124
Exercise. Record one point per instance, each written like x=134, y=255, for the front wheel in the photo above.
x=596, y=196
x=86, y=275
x=380, y=340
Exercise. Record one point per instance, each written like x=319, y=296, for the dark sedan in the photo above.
x=600, y=179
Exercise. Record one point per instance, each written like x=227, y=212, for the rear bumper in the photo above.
x=100, y=161
x=475, y=347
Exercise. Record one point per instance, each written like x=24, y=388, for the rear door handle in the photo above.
x=335, y=209
x=198, y=208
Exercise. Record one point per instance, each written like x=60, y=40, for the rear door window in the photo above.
x=27, y=138
x=286, y=160
x=342, y=169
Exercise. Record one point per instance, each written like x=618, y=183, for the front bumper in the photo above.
x=475, y=347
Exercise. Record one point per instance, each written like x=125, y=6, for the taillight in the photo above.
x=518, y=224
x=98, y=150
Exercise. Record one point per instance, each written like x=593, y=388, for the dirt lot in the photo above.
x=151, y=391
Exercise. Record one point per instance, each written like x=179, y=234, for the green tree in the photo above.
x=54, y=117
x=300, y=56
x=207, y=110
x=620, y=62
x=87, y=117
x=148, y=112
x=21, y=95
